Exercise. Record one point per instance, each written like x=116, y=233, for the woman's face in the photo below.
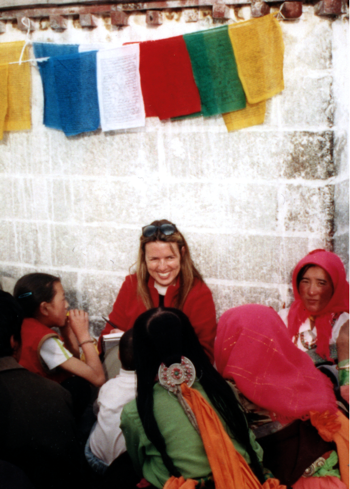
x=57, y=308
x=163, y=262
x=315, y=289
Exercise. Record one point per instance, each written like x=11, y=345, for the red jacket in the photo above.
x=199, y=307
x=33, y=335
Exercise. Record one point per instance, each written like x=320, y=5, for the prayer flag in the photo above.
x=3, y=96
x=44, y=50
x=119, y=88
x=167, y=82
x=19, y=86
x=252, y=115
x=76, y=88
x=215, y=71
x=258, y=47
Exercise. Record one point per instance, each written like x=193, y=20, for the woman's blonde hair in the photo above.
x=188, y=271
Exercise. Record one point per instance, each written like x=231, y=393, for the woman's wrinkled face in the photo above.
x=58, y=307
x=163, y=262
x=315, y=289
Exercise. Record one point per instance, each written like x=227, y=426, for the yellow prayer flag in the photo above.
x=252, y=115
x=258, y=47
x=3, y=96
x=19, y=86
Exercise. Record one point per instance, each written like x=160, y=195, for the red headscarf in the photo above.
x=253, y=348
x=339, y=302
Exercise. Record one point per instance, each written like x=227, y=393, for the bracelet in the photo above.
x=86, y=341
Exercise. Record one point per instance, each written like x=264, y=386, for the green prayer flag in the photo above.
x=215, y=71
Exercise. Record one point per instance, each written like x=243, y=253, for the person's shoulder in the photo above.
x=130, y=409
x=41, y=386
x=130, y=279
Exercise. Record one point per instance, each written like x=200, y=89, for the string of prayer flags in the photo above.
x=119, y=88
x=252, y=115
x=44, y=50
x=18, y=86
x=168, y=86
x=259, y=49
x=215, y=71
x=3, y=96
x=76, y=86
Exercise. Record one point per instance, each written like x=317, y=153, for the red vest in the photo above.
x=33, y=335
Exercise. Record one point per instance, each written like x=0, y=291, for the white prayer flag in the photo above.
x=119, y=88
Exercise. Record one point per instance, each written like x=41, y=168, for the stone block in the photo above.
x=341, y=248
x=7, y=241
x=191, y=15
x=249, y=155
x=105, y=154
x=99, y=292
x=328, y=8
x=292, y=10
x=88, y=20
x=220, y=11
x=239, y=206
x=94, y=247
x=252, y=259
x=307, y=101
x=308, y=155
x=310, y=32
x=341, y=201
x=2, y=27
x=30, y=198
x=58, y=23
x=61, y=199
x=341, y=153
x=135, y=201
x=226, y=297
x=26, y=243
x=308, y=209
x=119, y=18
x=154, y=17
x=259, y=9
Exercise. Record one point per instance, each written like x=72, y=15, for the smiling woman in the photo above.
x=165, y=276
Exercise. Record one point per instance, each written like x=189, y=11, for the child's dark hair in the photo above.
x=164, y=335
x=33, y=289
x=126, y=353
x=11, y=318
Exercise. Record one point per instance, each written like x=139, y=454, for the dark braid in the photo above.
x=153, y=348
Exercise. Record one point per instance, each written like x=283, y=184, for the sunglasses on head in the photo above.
x=151, y=230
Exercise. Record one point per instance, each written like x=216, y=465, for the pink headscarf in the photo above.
x=253, y=348
x=339, y=302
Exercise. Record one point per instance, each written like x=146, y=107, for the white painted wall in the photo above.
x=251, y=203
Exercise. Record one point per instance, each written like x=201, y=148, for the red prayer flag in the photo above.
x=167, y=82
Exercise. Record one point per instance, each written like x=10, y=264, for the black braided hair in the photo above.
x=164, y=335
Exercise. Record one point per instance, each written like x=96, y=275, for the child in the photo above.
x=107, y=441
x=44, y=352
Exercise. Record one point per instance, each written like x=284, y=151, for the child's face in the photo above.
x=57, y=308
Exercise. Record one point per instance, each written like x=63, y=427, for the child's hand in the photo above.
x=79, y=322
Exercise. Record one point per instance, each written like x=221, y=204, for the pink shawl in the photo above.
x=253, y=348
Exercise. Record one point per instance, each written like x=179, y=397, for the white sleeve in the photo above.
x=54, y=353
x=338, y=324
x=283, y=314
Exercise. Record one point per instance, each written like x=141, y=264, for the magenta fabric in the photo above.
x=253, y=348
x=319, y=483
x=339, y=302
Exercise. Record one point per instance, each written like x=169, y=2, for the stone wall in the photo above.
x=251, y=203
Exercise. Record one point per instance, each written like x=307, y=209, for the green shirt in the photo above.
x=184, y=445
